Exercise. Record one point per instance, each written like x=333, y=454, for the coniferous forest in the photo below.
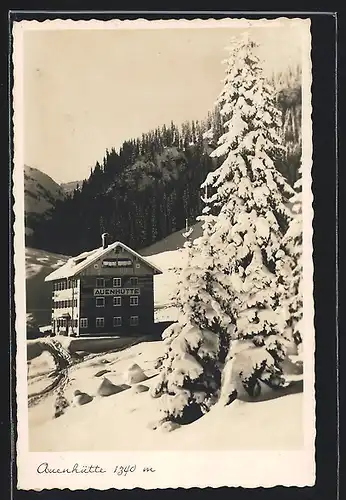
x=149, y=187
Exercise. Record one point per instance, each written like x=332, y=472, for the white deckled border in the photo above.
x=249, y=469
x=142, y=24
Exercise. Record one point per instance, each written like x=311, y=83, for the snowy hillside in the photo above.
x=170, y=256
x=41, y=193
x=38, y=264
x=69, y=187
x=172, y=242
x=165, y=284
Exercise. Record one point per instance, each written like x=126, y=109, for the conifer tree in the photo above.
x=291, y=268
x=197, y=345
x=252, y=197
x=230, y=280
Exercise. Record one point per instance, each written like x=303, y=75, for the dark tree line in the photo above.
x=146, y=190
x=139, y=195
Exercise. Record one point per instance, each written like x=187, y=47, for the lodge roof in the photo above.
x=77, y=264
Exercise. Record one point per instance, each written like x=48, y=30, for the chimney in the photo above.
x=104, y=240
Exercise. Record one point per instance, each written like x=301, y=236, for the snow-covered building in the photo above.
x=106, y=291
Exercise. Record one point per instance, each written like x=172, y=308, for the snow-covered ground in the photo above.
x=124, y=421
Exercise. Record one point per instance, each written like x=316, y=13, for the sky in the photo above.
x=88, y=90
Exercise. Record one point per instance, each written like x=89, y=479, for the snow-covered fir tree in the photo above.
x=197, y=345
x=229, y=288
x=291, y=268
x=252, y=198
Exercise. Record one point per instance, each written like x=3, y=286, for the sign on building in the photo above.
x=116, y=291
x=117, y=262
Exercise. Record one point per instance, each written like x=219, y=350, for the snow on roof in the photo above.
x=77, y=264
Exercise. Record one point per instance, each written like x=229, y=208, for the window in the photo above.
x=117, y=321
x=100, y=282
x=117, y=282
x=62, y=323
x=75, y=302
x=100, y=322
x=65, y=303
x=133, y=281
x=100, y=301
x=134, y=320
x=134, y=300
x=138, y=265
x=75, y=323
x=116, y=301
x=84, y=322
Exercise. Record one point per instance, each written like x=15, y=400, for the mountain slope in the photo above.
x=145, y=199
x=38, y=264
x=172, y=242
x=40, y=195
x=69, y=187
